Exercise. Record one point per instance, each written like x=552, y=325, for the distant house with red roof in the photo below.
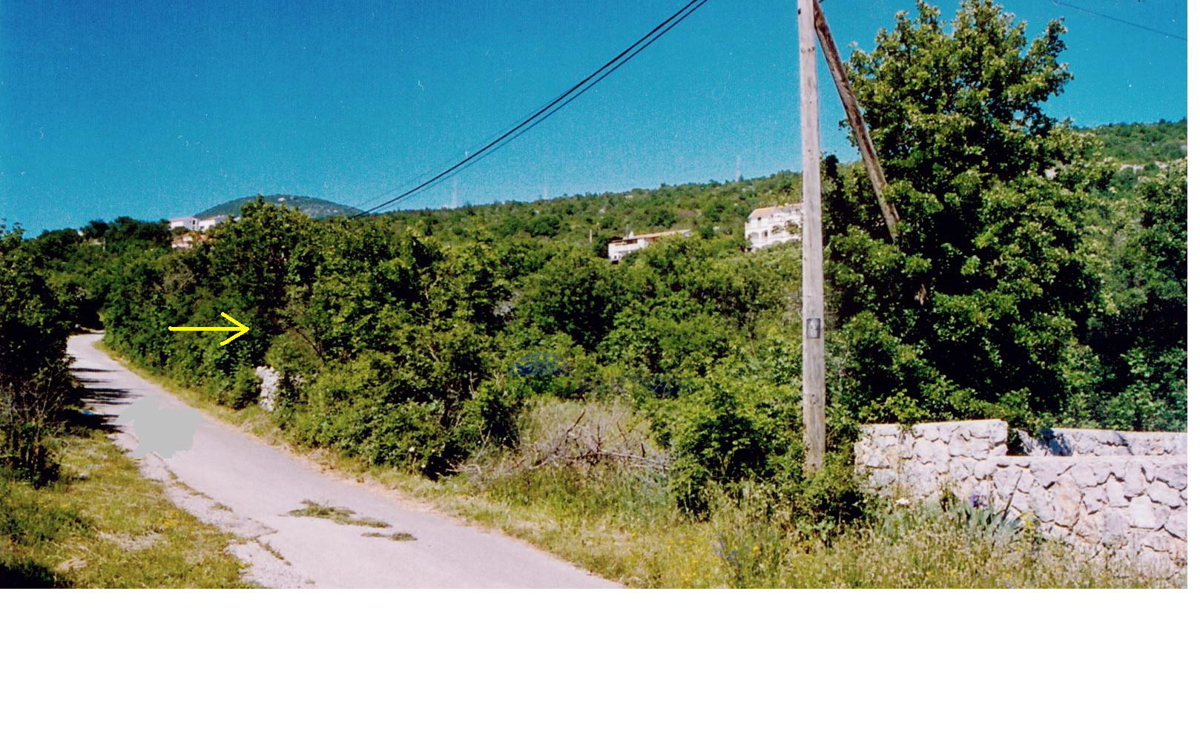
x=768, y=226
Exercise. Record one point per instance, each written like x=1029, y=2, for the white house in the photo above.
x=187, y=223
x=618, y=248
x=192, y=223
x=768, y=226
x=206, y=223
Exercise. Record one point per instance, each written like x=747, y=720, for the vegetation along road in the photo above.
x=305, y=528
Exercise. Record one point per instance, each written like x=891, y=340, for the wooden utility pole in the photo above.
x=861, y=135
x=813, y=290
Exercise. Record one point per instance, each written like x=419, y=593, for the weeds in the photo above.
x=344, y=516
x=29, y=518
x=104, y=525
x=818, y=531
x=396, y=536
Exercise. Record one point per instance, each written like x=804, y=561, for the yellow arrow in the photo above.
x=239, y=327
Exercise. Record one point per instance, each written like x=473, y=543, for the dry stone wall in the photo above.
x=1076, y=442
x=1103, y=488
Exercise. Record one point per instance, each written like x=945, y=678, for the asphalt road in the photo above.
x=249, y=488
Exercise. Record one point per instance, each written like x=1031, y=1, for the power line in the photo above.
x=446, y=164
x=555, y=105
x=1120, y=20
x=550, y=109
x=500, y=146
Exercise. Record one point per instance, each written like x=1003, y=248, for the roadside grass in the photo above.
x=103, y=525
x=619, y=521
x=924, y=546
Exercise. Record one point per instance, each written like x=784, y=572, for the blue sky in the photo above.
x=156, y=108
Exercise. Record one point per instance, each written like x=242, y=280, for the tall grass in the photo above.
x=617, y=518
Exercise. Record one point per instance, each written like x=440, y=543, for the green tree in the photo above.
x=34, y=382
x=576, y=293
x=1141, y=339
x=974, y=310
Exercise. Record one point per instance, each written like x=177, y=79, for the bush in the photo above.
x=35, y=386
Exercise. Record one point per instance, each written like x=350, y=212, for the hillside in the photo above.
x=716, y=209
x=1143, y=144
x=311, y=206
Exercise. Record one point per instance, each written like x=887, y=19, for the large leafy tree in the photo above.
x=973, y=311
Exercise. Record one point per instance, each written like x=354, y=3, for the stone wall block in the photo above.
x=941, y=457
x=1094, y=499
x=961, y=469
x=1025, y=482
x=925, y=483
x=879, y=431
x=1088, y=528
x=1176, y=443
x=1135, y=480
x=1174, y=474
x=873, y=458
x=1115, y=528
x=995, y=431
x=882, y=478
x=1115, y=492
x=1047, y=470
x=1155, y=541
x=1084, y=475
x=1109, y=467
x=1004, y=478
x=1162, y=493
x=1177, y=524
x=1066, y=504
x=983, y=469
x=926, y=431
x=923, y=450
x=1043, y=504
x=1143, y=514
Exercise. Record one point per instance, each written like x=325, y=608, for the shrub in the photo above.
x=35, y=386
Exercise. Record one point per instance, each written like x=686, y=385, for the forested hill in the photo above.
x=713, y=209
x=719, y=209
x=1143, y=144
x=311, y=206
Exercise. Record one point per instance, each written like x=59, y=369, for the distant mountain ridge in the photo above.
x=311, y=206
